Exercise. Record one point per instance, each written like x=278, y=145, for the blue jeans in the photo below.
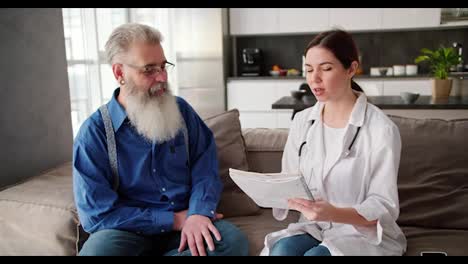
x=299, y=245
x=112, y=242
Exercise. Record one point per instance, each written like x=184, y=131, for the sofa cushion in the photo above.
x=432, y=180
x=38, y=217
x=257, y=227
x=231, y=154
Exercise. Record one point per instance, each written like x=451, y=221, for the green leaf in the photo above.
x=440, y=60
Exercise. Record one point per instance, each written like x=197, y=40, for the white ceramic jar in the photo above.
x=411, y=69
x=399, y=70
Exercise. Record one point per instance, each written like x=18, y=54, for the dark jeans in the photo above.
x=299, y=245
x=113, y=242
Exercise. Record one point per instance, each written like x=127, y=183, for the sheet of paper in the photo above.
x=271, y=190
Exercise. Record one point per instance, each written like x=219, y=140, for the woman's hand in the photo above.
x=325, y=212
x=315, y=211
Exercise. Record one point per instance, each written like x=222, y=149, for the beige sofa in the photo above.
x=38, y=217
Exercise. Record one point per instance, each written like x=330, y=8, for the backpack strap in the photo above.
x=111, y=146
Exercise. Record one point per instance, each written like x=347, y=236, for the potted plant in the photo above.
x=440, y=61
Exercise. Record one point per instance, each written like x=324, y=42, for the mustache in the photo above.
x=158, y=88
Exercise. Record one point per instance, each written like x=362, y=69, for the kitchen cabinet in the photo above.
x=245, y=21
x=395, y=87
x=371, y=87
x=396, y=18
x=294, y=20
x=356, y=18
x=253, y=99
x=252, y=21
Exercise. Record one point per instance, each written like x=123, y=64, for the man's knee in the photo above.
x=233, y=240
x=111, y=242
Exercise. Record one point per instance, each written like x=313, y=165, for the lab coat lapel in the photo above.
x=316, y=153
x=356, y=120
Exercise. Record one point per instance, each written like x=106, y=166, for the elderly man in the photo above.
x=145, y=170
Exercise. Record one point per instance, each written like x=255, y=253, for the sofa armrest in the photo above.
x=38, y=216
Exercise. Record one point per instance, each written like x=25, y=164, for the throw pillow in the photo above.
x=231, y=151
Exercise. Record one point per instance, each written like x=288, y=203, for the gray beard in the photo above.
x=156, y=118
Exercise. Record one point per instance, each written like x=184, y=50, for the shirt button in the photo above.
x=212, y=212
x=163, y=189
x=172, y=203
x=162, y=230
x=154, y=170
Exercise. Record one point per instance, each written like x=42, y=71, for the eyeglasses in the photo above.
x=151, y=69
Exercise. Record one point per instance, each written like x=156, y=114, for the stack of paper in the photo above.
x=271, y=190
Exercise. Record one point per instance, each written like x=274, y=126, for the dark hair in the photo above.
x=342, y=45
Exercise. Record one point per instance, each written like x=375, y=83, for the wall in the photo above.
x=376, y=48
x=35, y=119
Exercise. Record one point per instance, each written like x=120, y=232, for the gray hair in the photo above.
x=123, y=36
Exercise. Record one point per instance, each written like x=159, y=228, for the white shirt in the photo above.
x=364, y=178
x=333, y=140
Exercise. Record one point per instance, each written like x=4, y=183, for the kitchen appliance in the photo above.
x=459, y=49
x=252, y=62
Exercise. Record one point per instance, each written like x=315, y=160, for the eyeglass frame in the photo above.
x=153, y=68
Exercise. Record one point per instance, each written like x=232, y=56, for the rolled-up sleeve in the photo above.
x=382, y=203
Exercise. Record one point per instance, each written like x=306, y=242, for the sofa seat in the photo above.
x=257, y=226
x=452, y=241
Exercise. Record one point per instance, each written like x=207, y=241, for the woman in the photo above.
x=348, y=150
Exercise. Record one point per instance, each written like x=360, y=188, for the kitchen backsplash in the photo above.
x=376, y=48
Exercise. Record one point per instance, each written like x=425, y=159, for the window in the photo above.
x=86, y=31
x=199, y=31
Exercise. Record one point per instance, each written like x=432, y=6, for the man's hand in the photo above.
x=196, y=231
x=179, y=220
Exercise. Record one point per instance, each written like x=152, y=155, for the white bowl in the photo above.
x=274, y=73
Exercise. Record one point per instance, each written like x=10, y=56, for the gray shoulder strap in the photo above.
x=111, y=147
x=186, y=138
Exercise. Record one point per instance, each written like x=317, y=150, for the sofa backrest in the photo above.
x=265, y=148
x=433, y=174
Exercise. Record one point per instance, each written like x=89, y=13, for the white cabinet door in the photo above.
x=293, y=20
x=284, y=118
x=254, y=119
x=371, y=87
x=284, y=87
x=394, y=18
x=251, y=94
x=253, y=21
x=356, y=18
x=395, y=87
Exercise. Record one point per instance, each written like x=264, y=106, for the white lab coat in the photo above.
x=365, y=179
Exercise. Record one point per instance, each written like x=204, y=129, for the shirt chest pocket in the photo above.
x=177, y=164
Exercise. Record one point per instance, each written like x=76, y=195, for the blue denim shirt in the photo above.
x=155, y=179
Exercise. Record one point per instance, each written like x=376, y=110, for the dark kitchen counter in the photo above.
x=456, y=75
x=383, y=102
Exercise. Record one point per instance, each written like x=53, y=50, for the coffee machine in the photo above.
x=252, y=62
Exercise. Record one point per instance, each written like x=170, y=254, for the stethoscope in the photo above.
x=346, y=153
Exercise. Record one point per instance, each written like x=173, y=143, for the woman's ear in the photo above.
x=353, y=68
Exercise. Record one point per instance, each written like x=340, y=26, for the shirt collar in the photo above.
x=357, y=115
x=116, y=111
